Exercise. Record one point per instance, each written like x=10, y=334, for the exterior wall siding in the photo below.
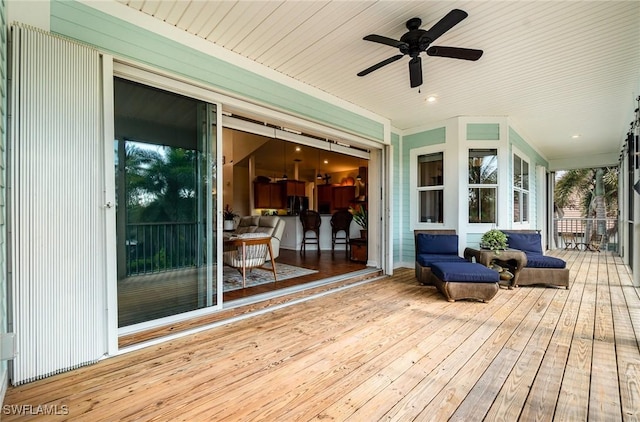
x=499, y=134
x=430, y=137
x=125, y=40
x=515, y=140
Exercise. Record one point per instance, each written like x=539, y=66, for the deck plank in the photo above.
x=604, y=403
x=385, y=350
x=486, y=390
x=543, y=396
x=573, y=401
x=625, y=301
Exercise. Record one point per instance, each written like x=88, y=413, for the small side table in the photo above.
x=358, y=248
x=512, y=258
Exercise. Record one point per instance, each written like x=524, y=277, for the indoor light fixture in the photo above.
x=431, y=99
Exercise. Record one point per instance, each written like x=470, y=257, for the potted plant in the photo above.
x=229, y=218
x=360, y=216
x=495, y=240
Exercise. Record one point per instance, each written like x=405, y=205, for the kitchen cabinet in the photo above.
x=268, y=195
x=293, y=188
x=332, y=198
x=343, y=197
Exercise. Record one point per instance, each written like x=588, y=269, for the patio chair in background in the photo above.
x=569, y=240
x=594, y=243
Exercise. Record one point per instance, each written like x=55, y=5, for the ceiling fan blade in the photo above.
x=379, y=65
x=415, y=71
x=450, y=20
x=384, y=40
x=455, y=53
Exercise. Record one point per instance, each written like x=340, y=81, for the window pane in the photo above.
x=517, y=171
x=483, y=166
x=431, y=206
x=525, y=175
x=482, y=205
x=525, y=207
x=430, y=170
x=516, y=206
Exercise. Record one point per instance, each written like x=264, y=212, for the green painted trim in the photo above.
x=483, y=131
x=426, y=138
x=120, y=38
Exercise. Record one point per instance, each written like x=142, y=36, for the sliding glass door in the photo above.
x=165, y=151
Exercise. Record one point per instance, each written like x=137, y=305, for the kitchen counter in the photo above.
x=292, y=235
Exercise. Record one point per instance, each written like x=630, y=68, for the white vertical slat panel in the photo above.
x=57, y=217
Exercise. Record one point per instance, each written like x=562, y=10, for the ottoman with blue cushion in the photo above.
x=465, y=280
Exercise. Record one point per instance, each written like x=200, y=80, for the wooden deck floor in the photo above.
x=386, y=350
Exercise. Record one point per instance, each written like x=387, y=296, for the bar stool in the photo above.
x=340, y=222
x=310, y=224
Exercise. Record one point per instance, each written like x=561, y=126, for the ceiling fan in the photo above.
x=418, y=40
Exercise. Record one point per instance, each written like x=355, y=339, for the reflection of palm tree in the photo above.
x=482, y=170
x=161, y=187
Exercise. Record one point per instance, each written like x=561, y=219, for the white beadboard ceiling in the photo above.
x=556, y=68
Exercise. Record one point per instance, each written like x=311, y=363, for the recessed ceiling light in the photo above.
x=298, y=149
x=576, y=136
x=326, y=161
x=432, y=99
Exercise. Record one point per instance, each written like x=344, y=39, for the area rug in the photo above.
x=257, y=276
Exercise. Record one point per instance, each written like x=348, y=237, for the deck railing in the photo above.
x=157, y=247
x=584, y=229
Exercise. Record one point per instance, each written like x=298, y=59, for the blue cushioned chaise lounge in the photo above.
x=434, y=246
x=540, y=269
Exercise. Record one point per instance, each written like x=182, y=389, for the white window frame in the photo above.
x=515, y=190
x=414, y=203
x=493, y=186
x=433, y=188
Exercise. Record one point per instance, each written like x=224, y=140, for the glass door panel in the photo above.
x=165, y=168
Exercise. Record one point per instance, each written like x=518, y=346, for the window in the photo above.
x=483, y=185
x=520, y=190
x=430, y=188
